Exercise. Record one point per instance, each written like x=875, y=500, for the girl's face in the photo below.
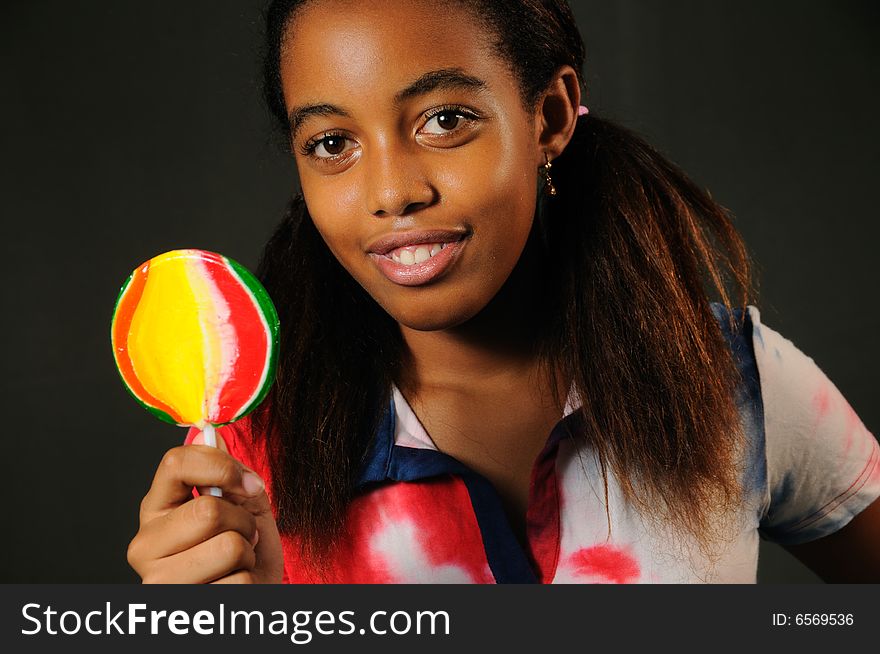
x=417, y=160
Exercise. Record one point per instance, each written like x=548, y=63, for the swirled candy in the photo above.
x=195, y=338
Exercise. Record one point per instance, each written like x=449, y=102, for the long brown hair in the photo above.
x=638, y=250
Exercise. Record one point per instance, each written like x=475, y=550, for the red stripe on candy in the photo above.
x=128, y=304
x=252, y=341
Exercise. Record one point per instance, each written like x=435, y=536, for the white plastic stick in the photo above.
x=211, y=439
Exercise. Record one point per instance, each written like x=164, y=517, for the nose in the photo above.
x=397, y=183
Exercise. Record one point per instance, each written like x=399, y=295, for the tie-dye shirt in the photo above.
x=420, y=516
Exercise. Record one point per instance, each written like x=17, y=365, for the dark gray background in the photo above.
x=131, y=128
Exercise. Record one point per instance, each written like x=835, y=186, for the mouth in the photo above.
x=417, y=258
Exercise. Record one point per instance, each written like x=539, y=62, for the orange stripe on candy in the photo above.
x=124, y=314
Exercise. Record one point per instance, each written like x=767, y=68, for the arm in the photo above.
x=823, y=466
x=850, y=555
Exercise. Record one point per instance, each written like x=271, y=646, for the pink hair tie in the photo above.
x=583, y=111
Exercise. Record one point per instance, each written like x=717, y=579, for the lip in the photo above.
x=419, y=273
x=385, y=244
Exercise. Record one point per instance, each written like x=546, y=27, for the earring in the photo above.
x=549, y=189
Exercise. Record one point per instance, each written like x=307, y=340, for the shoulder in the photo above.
x=739, y=326
x=822, y=463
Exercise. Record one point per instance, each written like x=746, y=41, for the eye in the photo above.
x=328, y=146
x=446, y=120
x=331, y=146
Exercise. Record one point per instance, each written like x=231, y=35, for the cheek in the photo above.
x=500, y=195
x=330, y=200
x=496, y=175
x=332, y=206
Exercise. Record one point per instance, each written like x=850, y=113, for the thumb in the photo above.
x=199, y=439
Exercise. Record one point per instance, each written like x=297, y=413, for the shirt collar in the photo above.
x=408, y=430
x=402, y=449
x=572, y=402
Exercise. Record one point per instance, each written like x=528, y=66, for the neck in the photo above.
x=496, y=349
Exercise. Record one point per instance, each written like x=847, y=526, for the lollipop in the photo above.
x=195, y=338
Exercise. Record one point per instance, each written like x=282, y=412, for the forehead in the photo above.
x=344, y=47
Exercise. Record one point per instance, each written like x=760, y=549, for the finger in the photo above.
x=269, y=564
x=191, y=524
x=217, y=557
x=240, y=577
x=196, y=465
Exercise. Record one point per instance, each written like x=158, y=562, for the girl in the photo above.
x=499, y=358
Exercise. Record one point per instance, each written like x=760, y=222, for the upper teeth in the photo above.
x=413, y=254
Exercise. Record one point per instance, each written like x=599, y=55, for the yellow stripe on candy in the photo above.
x=166, y=341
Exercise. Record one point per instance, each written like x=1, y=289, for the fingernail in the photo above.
x=256, y=538
x=252, y=483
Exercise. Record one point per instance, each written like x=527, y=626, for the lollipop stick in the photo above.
x=211, y=439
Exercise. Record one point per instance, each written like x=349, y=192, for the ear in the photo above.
x=557, y=113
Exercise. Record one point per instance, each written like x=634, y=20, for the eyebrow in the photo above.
x=445, y=78
x=442, y=79
x=299, y=115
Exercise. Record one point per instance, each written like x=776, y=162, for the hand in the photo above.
x=229, y=539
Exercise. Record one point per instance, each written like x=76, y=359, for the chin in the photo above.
x=430, y=319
